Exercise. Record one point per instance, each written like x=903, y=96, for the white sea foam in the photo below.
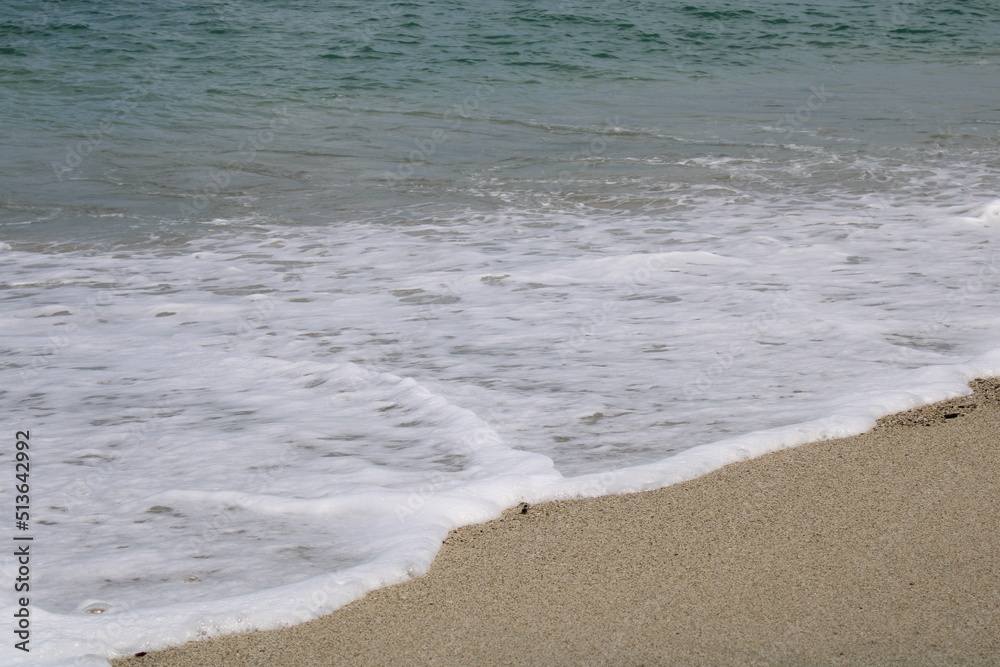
x=263, y=428
x=986, y=214
x=265, y=373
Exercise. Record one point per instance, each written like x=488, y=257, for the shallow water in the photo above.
x=292, y=289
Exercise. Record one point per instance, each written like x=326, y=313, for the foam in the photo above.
x=218, y=451
x=258, y=414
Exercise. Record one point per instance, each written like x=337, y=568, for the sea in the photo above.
x=291, y=288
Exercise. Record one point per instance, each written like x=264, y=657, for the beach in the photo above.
x=293, y=292
x=875, y=549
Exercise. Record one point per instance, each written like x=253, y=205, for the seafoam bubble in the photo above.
x=987, y=214
x=95, y=607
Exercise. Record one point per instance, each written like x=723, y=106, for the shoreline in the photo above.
x=875, y=548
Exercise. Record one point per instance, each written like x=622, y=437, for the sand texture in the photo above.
x=877, y=549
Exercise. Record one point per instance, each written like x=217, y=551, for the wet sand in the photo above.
x=880, y=548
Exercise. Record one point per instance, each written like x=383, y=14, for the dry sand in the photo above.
x=876, y=549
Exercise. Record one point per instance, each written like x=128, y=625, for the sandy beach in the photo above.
x=876, y=549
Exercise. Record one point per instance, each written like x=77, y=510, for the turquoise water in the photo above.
x=291, y=289
x=124, y=119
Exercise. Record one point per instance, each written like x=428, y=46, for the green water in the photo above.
x=123, y=118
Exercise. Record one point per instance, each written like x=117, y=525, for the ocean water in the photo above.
x=291, y=289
